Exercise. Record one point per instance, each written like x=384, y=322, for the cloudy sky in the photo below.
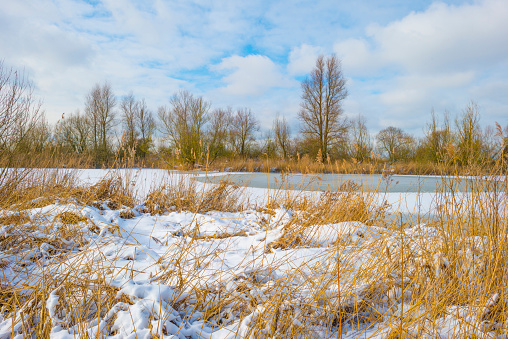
x=401, y=58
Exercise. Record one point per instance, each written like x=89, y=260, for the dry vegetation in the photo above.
x=383, y=277
x=307, y=165
x=184, y=196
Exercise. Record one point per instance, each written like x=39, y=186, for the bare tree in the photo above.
x=282, y=134
x=20, y=112
x=139, y=125
x=99, y=108
x=269, y=145
x=469, y=136
x=129, y=108
x=243, y=126
x=183, y=124
x=220, y=122
x=397, y=144
x=146, y=127
x=361, y=146
x=321, y=107
x=37, y=138
x=75, y=132
x=437, y=139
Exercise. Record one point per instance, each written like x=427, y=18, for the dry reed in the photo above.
x=386, y=277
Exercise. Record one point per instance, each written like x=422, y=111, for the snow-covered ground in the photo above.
x=216, y=274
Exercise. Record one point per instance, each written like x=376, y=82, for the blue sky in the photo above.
x=401, y=58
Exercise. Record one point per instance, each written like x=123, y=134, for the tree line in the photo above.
x=189, y=130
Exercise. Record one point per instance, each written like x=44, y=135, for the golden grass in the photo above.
x=70, y=218
x=184, y=195
x=406, y=278
x=15, y=219
x=307, y=165
x=126, y=214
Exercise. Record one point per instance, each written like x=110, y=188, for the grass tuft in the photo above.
x=70, y=218
x=184, y=195
x=15, y=219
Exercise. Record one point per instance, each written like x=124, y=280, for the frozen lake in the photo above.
x=341, y=182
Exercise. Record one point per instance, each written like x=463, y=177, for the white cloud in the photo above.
x=303, y=58
x=413, y=89
x=251, y=75
x=37, y=45
x=356, y=56
x=442, y=38
x=441, y=56
x=446, y=37
x=68, y=46
x=433, y=58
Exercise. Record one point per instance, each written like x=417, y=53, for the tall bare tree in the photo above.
x=321, y=107
x=139, y=125
x=397, y=144
x=99, y=108
x=243, y=126
x=469, y=136
x=437, y=138
x=282, y=134
x=20, y=112
x=37, y=138
x=129, y=110
x=183, y=124
x=75, y=132
x=146, y=127
x=361, y=146
x=268, y=144
x=220, y=122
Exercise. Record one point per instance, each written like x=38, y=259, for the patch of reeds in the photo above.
x=308, y=165
x=387, y=278
x=184, y=195
x=70, y=218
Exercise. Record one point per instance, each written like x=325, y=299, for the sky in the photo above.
x=402, y=59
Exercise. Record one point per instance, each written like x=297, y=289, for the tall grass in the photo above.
x=307, y=165
x=382, y=276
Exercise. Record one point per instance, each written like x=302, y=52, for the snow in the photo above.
x=156, y=263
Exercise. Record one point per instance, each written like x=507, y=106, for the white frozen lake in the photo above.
x=337, y=182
